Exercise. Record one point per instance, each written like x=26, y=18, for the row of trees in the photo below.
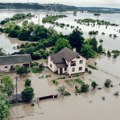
x=88, y=48
x=17, y=16
x=85, y=87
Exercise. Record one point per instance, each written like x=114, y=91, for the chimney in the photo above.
x=74, y=49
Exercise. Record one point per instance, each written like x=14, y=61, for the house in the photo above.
x=67, y=61
x=10, y=61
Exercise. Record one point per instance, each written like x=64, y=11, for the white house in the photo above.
x=10, y=61
x=67, y=61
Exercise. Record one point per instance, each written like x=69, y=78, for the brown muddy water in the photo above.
x=88, y=106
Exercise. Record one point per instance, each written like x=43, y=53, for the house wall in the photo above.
x=78, y=65
x=51, y=65
x=6, y=68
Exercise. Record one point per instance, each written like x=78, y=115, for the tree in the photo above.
x=87, y=51
x=62, y=43
x=27, y=83
x=100, y=49
x=107, y=83
x=93, y=43
x=94, y=84
x=108, y=53
x=76, y=39
x=28, y=94
x=6, y=85
x=84, y=88
x=20, y=70
x=4, y=107
x=61, y=90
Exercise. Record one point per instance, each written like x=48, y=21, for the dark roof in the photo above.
x=65, y=54
x=15, y=59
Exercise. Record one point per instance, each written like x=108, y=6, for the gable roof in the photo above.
x=15, y=59
x=65, y=54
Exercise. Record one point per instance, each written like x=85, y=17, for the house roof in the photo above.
x=15, y=59
x=65, y=54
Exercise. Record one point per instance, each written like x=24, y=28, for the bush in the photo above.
x=107, y=83
x=27, y=94
x=27, y=83
x=94, y=84
x=84, y=88
x=20, y=70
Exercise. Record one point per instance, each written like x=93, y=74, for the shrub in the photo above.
x=94, y=84
x=27, y=83
x=107, y=83
x=84, y=88
x=27, y=94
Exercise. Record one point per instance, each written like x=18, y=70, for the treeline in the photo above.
x=89, y=21
x=88, y=48
x=18, y=16
x=56, y=7
x=52, y=19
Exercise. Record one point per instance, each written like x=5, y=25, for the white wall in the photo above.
x=4, y=69
x=83, y=65
x=50, y=62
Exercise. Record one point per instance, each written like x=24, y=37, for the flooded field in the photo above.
x=85, y=106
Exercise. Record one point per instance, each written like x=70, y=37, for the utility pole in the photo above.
x=38, y=18
x=17, y=96
x=16, y=90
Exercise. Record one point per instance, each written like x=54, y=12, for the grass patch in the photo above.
x=79, y=81
x=37, y=69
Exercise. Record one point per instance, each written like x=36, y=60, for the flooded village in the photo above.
x=69, y=61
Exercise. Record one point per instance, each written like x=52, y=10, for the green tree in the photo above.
x=84, y=88
x=93, y=43
x=87, y=51
x=6, y=85
x=107, y=83
x=20, y=70
x=109, y=53
x=76, y=39
x=100, y=49
x=27, y=83
x=28, y=94
x=94, y=84
x=4, y=107
x=62, y=43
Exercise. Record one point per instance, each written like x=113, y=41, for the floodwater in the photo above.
x=85, y=106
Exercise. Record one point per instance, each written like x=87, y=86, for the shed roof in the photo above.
x=15, y=59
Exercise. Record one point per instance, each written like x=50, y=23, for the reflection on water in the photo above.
x=7, y=46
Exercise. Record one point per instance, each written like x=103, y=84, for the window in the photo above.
x=51, y=65
x=65, y=68
x=73, y=69
x=81, y=61
x=80, y=68
x=73, y=63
